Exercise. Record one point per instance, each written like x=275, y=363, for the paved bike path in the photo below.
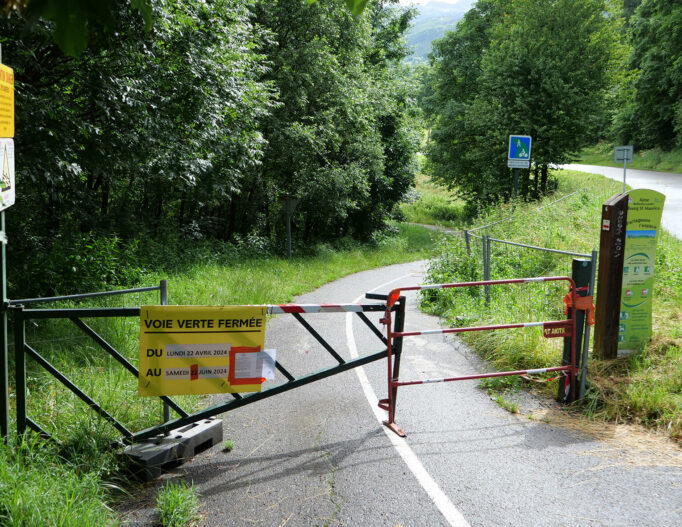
x=319, y=456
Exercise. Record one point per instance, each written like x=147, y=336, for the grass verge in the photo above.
x=654, y=159
x=645, y=387
x=432, y=205
x=38, y=488
x=82, y=466
x=177, y=505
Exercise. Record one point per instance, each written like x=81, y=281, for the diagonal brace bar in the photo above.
x=77, y=391
x=122, y=360
x=284, y=371
x=275, y=390
x=319, y=339
x=38, y=429
x=371, y=326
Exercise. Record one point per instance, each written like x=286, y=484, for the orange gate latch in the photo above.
x=582, y=303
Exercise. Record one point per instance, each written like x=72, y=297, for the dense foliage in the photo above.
x=541, y=68
x=651, y=115
x=198, y=127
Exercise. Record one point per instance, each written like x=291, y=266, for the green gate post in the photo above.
x=586, y=338
x=20, y=367
x=4, y=347
x=581, y=272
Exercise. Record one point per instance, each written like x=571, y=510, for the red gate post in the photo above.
x=551, y=329
x=396, y=348
x=393, y=348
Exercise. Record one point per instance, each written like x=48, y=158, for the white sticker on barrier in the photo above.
x=533, y=372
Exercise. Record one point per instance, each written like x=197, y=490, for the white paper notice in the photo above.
x=269, y=359
x=253, y=365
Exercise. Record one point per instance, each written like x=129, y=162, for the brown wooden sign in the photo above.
x=610, y=277
x=551, y=330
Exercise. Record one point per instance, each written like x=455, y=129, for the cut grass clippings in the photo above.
x=646, y=387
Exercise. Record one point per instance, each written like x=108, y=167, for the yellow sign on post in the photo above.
x=197, y=349
x=6, y=101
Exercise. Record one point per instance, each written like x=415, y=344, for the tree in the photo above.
x=198, y=127
x=653, y=117
x=74, y=22
x=327, y=142
x=146, y=131
x=539, y=68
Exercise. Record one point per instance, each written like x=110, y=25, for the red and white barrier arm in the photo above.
x=481, y=376
x=394, y=295
x=315, y=308
x=553, y=323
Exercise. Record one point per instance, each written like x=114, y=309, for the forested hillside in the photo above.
x=431, y=22
x=570, y=74
x=196, y=127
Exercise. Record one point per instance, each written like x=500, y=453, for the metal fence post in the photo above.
x=486, y=267
x=468, y=243
x=485, y=259
x=586, y=340
x=4, y=345
x=20, y=368
x=163, y=297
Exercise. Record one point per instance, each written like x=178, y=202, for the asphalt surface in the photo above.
x=667, y=183
x=319, y=456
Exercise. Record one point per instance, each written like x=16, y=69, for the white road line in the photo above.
x=439, y=498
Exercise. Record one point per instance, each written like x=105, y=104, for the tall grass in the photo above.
x=646, y=387
x=38, y=488
x=654, y=159
x=433, y=205
x=177, y=505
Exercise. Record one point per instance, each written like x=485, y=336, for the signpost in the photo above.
x=290, y=204
x=7, y=188
x=623, y=154
x=643, y=224
x=518, y=156
x=200, y=350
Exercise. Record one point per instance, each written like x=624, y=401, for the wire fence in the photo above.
x=486, y=250
x=488, y=256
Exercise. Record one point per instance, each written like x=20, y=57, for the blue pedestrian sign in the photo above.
x=519, y=151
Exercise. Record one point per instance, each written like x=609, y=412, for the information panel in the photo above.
x=199, y=350
x=643, y=224
x=7, y=185
x=6, y=101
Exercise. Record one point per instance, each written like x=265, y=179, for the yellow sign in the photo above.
x=198, y=349
x=6, y=101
